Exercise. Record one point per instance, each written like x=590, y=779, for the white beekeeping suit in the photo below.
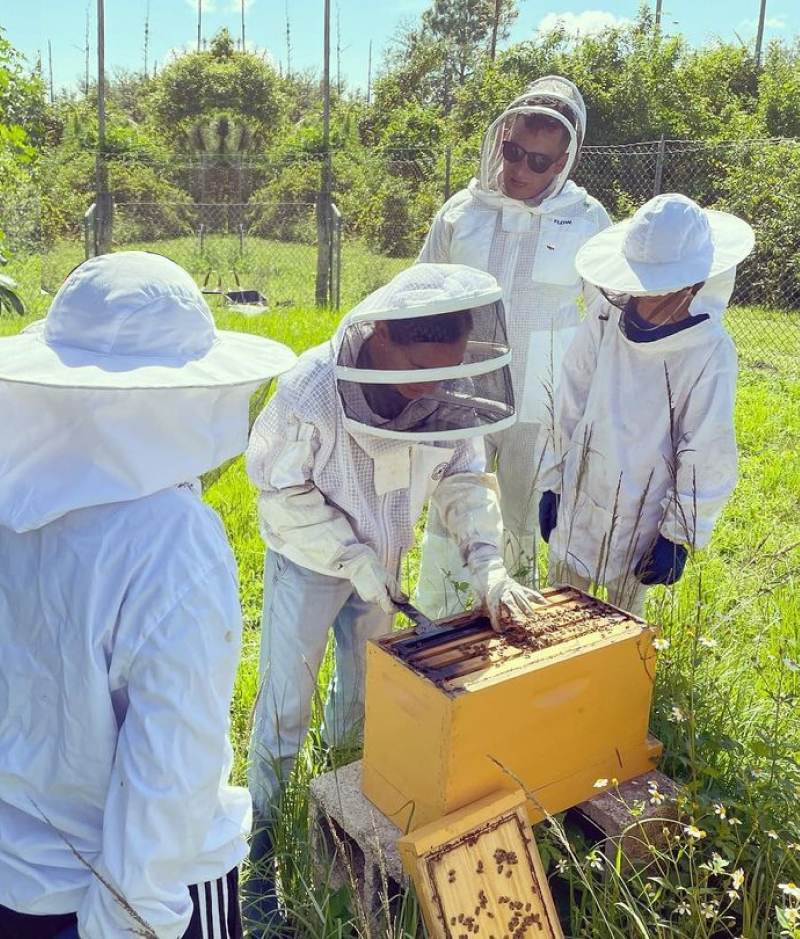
x=345, y=463
x=529, y=245
x=646, y=444
x=120, y=621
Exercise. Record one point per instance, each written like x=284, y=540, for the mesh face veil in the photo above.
x=540, y=97
x=426, y=358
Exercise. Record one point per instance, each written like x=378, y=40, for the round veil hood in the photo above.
x=426, y=357
x=124, y=389
x=538, y=98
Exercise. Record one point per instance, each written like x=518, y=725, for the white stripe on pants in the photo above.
x=300, y=607
x=212, y=910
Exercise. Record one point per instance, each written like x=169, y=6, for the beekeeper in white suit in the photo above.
x=120, y=623
x=523, y=220
x=358, y=436
x=647, y=449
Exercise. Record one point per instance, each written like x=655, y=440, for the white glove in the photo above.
x=373, y=583
x=507, y=602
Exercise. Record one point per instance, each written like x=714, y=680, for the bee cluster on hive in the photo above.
x=465, y=645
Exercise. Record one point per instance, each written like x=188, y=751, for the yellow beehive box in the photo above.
x=478, y=875
x=460, y=712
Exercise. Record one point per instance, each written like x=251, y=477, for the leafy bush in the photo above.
x=762, y=184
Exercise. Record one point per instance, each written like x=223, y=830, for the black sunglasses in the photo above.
x=537, y=162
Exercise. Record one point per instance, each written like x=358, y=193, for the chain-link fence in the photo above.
x=271, y=248
x=758, y=180
x=256, y=220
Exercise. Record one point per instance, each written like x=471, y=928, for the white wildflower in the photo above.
x=791, y=890
x=594, y=860
x=709, y=910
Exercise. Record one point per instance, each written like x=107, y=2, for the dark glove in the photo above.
x=662, y=563
x=548, y=513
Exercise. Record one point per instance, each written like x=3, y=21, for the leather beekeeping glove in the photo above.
x=373, y=583
x=662, y=563
x=506, y=602
x=548, y=513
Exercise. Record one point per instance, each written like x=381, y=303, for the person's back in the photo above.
x=130, y=601
x=119, y=612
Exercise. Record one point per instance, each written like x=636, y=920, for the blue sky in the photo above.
x=173, y=24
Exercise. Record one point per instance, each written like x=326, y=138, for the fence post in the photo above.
x=336, y=257
x=323, y=247
x=448, y=156
x=90, y=232
x=104, y=222
x=659, y=166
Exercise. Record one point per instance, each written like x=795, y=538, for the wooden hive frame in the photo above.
x=478, y=874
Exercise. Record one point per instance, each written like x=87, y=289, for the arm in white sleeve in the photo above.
x=294, y=515
x=469, y=506
x=706, y=461
x=172, y=753
x=577, y=371
x=592, y=297
x=436, y=248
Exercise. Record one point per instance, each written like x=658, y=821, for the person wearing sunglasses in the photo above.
x=523, y=220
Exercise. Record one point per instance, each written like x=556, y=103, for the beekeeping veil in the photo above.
x=542, y=96
x=125, y=388
x=426, y=357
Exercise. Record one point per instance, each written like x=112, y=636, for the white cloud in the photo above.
x=261, y=51
x=588, y=23
x=771, y=22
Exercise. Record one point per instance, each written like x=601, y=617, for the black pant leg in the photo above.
x=15, y=925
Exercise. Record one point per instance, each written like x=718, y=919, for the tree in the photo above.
x=201, y=89
x=21, y=120
x=468, y=27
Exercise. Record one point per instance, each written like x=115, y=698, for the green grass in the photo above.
x=733, y=625
x=284, y=272
x=727, y=698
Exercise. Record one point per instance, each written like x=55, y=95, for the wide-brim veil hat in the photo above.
x=670, y=243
